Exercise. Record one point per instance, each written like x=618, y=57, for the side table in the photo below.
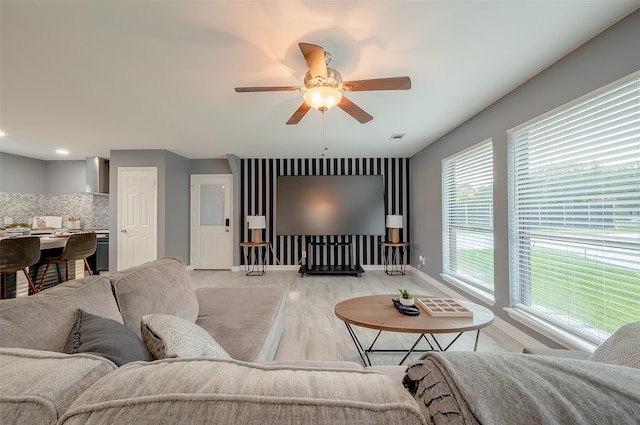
x=393, y=257
x=255, y=257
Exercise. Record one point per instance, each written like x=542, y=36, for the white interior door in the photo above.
x=137, y=216
x=211, y=221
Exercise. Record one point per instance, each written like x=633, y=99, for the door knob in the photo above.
x=123, y=231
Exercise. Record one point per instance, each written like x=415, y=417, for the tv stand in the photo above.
x=332, y=269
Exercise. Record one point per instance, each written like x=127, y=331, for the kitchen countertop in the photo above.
x=50, y=241
x=46, y=241
x=50, y=231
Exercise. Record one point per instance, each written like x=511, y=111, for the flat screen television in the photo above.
x=330, y=205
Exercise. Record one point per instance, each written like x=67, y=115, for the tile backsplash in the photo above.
x=93, y=210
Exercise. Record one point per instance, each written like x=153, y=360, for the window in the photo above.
x=468, y=217
x=575, y=216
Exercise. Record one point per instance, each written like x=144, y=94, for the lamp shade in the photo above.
x=394, y=221
x=257, y=222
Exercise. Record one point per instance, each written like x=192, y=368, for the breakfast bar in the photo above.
x=51, y=244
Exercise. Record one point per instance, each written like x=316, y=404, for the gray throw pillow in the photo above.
x=106, y=338
x=169, y=336
x=622, y=348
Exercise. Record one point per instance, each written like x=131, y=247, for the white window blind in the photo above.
x=575, y=217
x=468, y=216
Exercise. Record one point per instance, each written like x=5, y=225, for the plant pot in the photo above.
x=406, y=301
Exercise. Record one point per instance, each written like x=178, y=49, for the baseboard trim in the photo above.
x=277, y=267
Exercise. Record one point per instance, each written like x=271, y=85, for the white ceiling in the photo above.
x=95, y=76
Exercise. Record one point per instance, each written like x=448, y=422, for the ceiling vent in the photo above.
x=397, y=136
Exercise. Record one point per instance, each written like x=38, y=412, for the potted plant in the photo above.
x=406, y=298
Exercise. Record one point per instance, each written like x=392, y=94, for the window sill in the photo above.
x=484, y=296
x=552, y=332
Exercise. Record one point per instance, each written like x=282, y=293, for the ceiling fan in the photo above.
x=324, y=88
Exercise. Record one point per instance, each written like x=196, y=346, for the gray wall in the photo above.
x=135, y=158
x=229, y=165
x=235, y=164
x=19, y=174
x=222, y=166
x=173, y=196
x=209, y=166
x=31, y=187
x=177, y=207
x=66, y=177
x=22, y=175
x=611, y=55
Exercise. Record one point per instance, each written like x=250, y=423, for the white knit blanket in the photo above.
x=509, y=388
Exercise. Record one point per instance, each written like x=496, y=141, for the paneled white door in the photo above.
x=137, y=216
x=211, y=228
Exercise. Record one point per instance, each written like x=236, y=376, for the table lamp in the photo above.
x=394, y=222
x=257, y=223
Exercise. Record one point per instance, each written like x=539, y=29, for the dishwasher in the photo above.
x=99, y=260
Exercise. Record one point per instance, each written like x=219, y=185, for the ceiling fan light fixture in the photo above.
x=324, y=88
x=322, y=98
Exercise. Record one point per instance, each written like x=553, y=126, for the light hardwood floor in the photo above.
x=312, y=332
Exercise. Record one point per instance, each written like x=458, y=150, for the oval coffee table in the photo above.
x=378, y=312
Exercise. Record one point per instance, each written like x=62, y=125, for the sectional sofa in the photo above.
x=98, y=350
x=41, y=384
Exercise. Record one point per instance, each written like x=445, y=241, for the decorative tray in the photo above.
x=444, y=307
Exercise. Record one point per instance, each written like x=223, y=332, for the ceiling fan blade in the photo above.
x=354, y=110
x=299, y=113
x=257, y=89
x=392, y=83
x=314, y=55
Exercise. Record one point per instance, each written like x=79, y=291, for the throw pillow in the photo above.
x=107, y=338
x=169, y=336
x=621, y=348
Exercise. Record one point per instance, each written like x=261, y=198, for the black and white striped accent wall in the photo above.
x=259, y=179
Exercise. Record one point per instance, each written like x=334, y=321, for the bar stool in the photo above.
x=78, y=247
x=18, y=254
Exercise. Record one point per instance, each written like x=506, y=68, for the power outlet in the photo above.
x=8, y=220
x=304, y=254
x=420, y=261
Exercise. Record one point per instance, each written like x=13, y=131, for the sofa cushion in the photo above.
x=107, y=338
x=223, y=391
x=246, y=321
x=333, y=364
x=42, y=321
x=157, y=287
x=396, y=372
x=37, y=387
x=622, y=348
x=170, y=336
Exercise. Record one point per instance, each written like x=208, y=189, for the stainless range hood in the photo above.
x=97, y=175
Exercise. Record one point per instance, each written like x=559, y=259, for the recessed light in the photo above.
x=62, y=152
x=397, y=136
x=2, y=134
